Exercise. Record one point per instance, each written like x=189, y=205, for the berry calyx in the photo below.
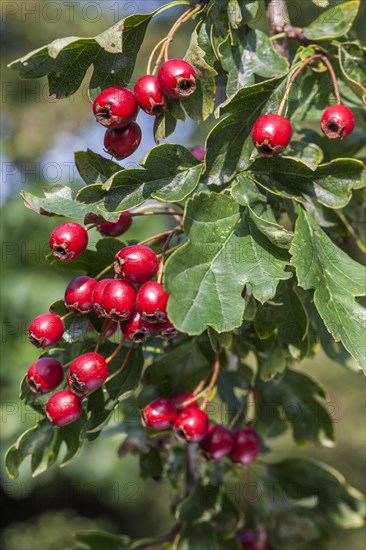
x=136, y=264
x=44, y=375
x=118, y=300
x=179, y=398
x=149, y=95
x=165, y=330
x=136, y=329
x=159, y=414
x=191, y=425
x=177, y=78
x=63, y=408
x=337, y=122
x=78, y=294
x=271, y=134
x=115, y=107
x=115, y=229
x=199, y=152
x=122, y=142
x=97, y=296
x=151, y=302
x=246, y=446
x=87, y=373
x=45, y=330
x=68, y=241
x=217, y=443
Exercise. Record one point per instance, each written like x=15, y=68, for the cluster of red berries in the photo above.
x=116, y=108
x=191, y=425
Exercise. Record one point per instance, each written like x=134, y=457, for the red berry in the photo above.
x=118, y=300
x=271, y=134
x=337, y=122
x=78, y=294
x=151, y=302
x=244, y=292
x=218, y=442
x=199, y=152
x=246, y=445
x=136, y=329
x=68, y=241
x=159, y=414
x=87, y=373
x=45, y=375
x=122, y=142
x=179, y=398
x=115, y=229
x=97, y=296
x=191, y=425
x=136, y=264
x=250, y=539
x=149, y=96
x=115, y=107
x=45, y=330
x=165, y=330
x=63, y=408
x=177, y=78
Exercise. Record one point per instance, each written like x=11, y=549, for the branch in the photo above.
x=278, y=18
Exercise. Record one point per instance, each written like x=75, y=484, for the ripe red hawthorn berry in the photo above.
x=78, y=294
x=136, y=329
x=118, y=300
x=179, y=398
x=165, y=330
x=151, y=302
x=63, y=408
x=122, y=142
x=149, y=96
x=115, y=107
x=45, y=330
x=44, y=375
x=159, y=414
x=68, y=241
x=177, y=78
x=246, y=446
x=337, y=122
x=191, y=425
x=87, y=373
x=217, y=443
x=115, y=229
x=136, y=264
x=199, y=152
x=250, y=539
x=97, y=296
x=271, y=134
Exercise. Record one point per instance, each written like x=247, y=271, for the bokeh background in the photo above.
x=38, y=138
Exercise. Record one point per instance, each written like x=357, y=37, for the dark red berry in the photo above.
x=159, y=414
x=78, y=294
x=165, y=330
x=136, y=329
x=44, y=375
x=151, y=302
x=179, y=398
x=63, y=408
x=118, y=300
x=115, y=229
x=87, y=373
x=68, y=241
x=271, y=134
x=191, y=425
x=218, y=442
x=337, y=122
x=177, y=78
x=122, y=142
x=115, y=107
x=97, y=296
x=199, y=152
x=149, y=96
x=136, y=264
x=244, y=292
x=246, y=445
x=250, y=539
x=46, y=330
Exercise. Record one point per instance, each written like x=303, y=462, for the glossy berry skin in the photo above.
x=136, y=329
x=118, y=300
x=45, y=330
x=136, y=264
x=271, y=134
x=68, y=241
x=177, y=79
x=115, y=107
x=122, y=142
x=151, y=302
x=179, y=398
x=78, y=294
x=191, y=425
x=97, y=296
x=63, y=408
x=159, y=414
x=165, y=330
x=44, y=375
x=337, y=122
x=87, y=373
x=246, y=446
x=199, y=152
x=218, y=442
x=115, y=229
x=149, y=96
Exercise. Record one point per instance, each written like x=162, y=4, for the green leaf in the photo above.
x=336, y=279
x=94, y=168
x=352, y=60
x=206, y=276
x=200, y=53
x=151, y=464
x=96, y=540
x=164, y=125
x=334, y=22
x=201, y=104
x=197, y=536
x=58, y=200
